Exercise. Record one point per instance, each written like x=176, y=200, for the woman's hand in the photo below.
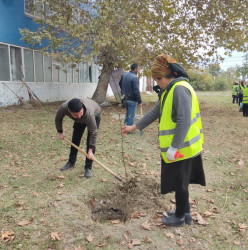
x=128, y=129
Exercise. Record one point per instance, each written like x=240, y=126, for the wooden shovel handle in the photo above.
x=94, y=159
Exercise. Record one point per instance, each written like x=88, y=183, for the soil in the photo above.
x=139, y=193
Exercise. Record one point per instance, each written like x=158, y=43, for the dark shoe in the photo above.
x=68, y=165
x=87, y=173
x=188, y=217
x=173, y=221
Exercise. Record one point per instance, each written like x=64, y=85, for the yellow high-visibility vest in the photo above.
x=193, y=141
x=245, y=96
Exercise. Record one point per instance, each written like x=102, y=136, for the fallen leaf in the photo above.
x=212, y=201
x=90, y=238
x=19, y=203
x=129, y=232
x=123, y=243
x=135, y=215
x=208, y=214
x=237, y=243
x=61, y=177
x=35, y=194
x=173, y=200
x=135, y=242
x=55, y=236
x=180, y=242
x=130, y=245
x=93, y=202
x=192, y=240
x=148, y=239
x=242, y=226
x=170, y=235
x=197, y=217
x=133, y=164
x=241, y=163
x=63, y=159
x=61, y=185
x=143, y=214
x=125, y=236
x=25, y=222
x=146, y=225
x=178, y=232
x=192, y=201
x=8, y=236
x=80, y=248
x=115, y=221
x=27, y=175
x=55, y=204
x=210, y=190
x=103, y=180
x=102, y=245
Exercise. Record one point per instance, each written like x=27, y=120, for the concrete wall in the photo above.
x=46, y=92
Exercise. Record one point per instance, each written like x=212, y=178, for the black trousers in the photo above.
x=235, y=99
x=240, y=98
x=78, y=131
x=182, y=203
x=245, y=109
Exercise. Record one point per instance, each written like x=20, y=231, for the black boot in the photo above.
x=68, y=165
x=188, y=217
x=87, y=173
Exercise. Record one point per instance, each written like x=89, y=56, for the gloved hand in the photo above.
x=173, y=154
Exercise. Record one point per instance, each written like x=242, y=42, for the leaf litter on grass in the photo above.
x=63, y=204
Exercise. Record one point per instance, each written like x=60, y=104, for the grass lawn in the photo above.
x=43, y=208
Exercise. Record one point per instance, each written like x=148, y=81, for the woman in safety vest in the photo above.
x=235, y=89
x=180, y=136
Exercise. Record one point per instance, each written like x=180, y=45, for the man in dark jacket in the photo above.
x=130, y=88
x=84, y=113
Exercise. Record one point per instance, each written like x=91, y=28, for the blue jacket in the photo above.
x=130, y=87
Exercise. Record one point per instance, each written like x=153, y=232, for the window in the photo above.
x=36, y=8
x=29, y=65
x=90, y=73
x=4, y=63
x=16, y=63
x=63, y=73
x=56, y=69
x=38, y=59
x=48, y=68
x=75, y=73
x=69, y=74
x=29, y=7
x=81, y=71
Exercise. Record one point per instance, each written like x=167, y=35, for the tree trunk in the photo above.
x=100, y=93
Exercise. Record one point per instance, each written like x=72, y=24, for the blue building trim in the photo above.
x=13, y=18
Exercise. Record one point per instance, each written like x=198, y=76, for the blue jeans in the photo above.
x=131, y=110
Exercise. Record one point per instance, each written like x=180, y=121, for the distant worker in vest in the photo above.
x=240, y=95
x=235, y=89
x=245, y=102
x=86, y=114
x=180, y=136
x=130, y=88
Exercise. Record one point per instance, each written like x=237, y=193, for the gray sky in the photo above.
x=236, y=59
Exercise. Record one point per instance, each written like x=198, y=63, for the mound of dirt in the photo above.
x=137, y=195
